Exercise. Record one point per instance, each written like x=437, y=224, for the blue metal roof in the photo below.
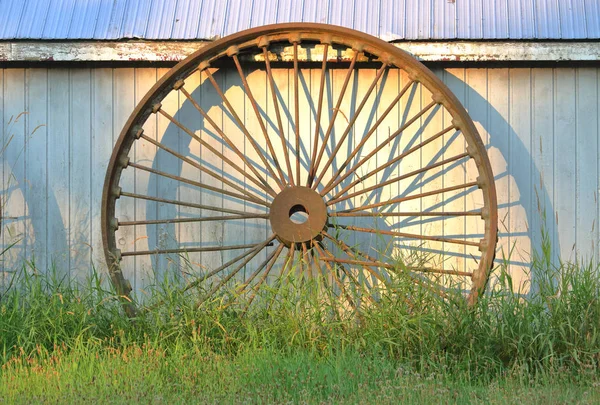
x=387, y=19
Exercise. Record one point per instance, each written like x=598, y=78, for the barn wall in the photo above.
x=540, y=126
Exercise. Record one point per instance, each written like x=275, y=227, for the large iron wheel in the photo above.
x=306, y=149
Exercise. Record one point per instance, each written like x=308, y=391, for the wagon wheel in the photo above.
x=368, y=148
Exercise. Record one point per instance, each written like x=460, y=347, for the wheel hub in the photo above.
x=298, y=200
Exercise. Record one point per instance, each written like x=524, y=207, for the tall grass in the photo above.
x=555, y=330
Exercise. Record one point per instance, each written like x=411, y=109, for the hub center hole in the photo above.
x=298, y=214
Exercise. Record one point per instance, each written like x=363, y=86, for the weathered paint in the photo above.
x=540, y=126
x=175, y=51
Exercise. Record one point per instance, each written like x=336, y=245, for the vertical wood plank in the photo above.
x=387, y=92
x=587, y=162
x=123, y=104
x=234, y=232
x=499, y=132
x=477, y=82
x=190, y=233
x=80, y=157
x=212, y=231
x=520, y=170
x=565, y=157
x=256, y=228
x=4, y=277
x=102, y=144
x=59, y=169
x=144, y=153
x=542, y=153
x=456, y=255
x=36, y=158
x=14, y=192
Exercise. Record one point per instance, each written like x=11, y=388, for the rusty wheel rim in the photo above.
x=278, y=158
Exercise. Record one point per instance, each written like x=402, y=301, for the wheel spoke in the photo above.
x=242, y=288
x=227, y=141
x=258, y=116
x=243, y=127
x=189, y=250
x=315, y=165
x=198, y=184
x=406, y=214
x=200, y=219
x=380, y=72
x=256, y=288
x=412, y=197
x=392, y=267
x=372, y=259
x=319, y=112
x=288, y=262
x=334, y=182
x=231, y=274
x=372, y=130
x=200, y=167
x=408, y=235
x=306, y=261
x=297, y=111
x=263, y=185
x=337, y=199
x=278, y=115
x=326, y=284
x=349, y=252
x=322, y=256
x=347, y=249
x=181, y=203
x=254, y=248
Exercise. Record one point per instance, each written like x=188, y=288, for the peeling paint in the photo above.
x=174, y=51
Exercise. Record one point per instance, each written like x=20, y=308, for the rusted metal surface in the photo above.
x=276, y=195
x=293, y=200
x=171, y=52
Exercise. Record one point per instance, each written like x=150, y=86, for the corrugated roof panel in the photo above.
x=572, y=19
x=547, y=21
x=424, y=20
x=592, y=14
x=392, y=12
x=36, y=12
x=10, y=17
x=495, y=19
x=388, y=19
x=529, y=23
x=210, y=24
x=58, y=20
x=444, y=20
x=187, y=16
x=411, y=20
x=138, y=13
x=102, y=22
x=463, y=19
x=263, y=13
x=366, y=16
x=162, y=19
x=515, y=20
x=314, y=10
x=235, y=22
x=83, y=20
x=342, y=13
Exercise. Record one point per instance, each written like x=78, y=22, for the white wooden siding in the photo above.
x=540, y=126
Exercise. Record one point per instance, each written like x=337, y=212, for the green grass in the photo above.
x=64, y=342
x=149, y=375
